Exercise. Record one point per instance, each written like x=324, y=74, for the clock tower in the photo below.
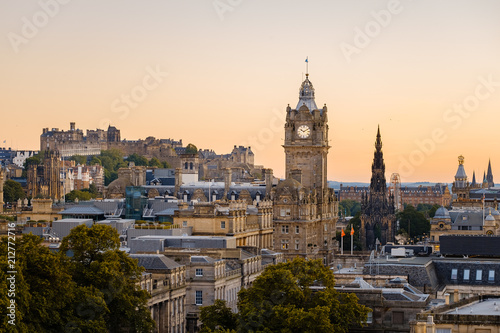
x=306, y=140
x=305, y=210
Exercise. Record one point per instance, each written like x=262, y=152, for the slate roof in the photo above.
x=82, y=210
x=467, y=218
x=155, y=261
x=202, y=259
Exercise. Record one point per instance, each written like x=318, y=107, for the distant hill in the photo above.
x=336, y=185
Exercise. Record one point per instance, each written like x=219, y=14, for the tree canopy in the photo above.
x=191, y=149
x=79, y=159
x=282, y=299
x=95, y=290
x=137, y=159
x=413, y=222
x=12, y=191
x=349, y=207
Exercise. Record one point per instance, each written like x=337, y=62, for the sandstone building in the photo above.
x=304, y=207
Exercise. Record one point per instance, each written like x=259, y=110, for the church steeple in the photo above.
x=473, y=178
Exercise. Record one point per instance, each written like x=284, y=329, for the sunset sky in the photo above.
x=220, y=73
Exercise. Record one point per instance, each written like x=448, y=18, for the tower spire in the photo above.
x=489, y=175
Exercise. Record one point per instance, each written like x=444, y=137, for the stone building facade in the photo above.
x=250, y=224
x=305, y=208
x=45, y=179
x=168, y=285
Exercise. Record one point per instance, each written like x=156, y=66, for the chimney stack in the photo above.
x=268, y=178
x=228, y=173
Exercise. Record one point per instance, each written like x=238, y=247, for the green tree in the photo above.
x=154, y=162
x=281, y=300
x=77, y=194
x=12, y=191
x=432, y=211
x=47, y=298
x=95, y=160
x=79, y=159
x=111, y=160
x=166, y=165
x=33, y=160
x=349, y=207
x=413, y=222
x=191, y=149
x=98, y=264
x=218, y=318
x=137, y=159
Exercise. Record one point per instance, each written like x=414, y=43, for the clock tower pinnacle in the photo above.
x=306, y=140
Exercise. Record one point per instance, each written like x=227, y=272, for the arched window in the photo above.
x=186, y=165
x=191, y=166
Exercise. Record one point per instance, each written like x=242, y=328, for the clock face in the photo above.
x=303, y=131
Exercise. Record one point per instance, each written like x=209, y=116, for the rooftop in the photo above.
x=488, y=307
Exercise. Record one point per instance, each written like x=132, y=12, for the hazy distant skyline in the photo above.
x=219, y=73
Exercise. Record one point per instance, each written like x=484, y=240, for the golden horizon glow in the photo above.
x=224, y=78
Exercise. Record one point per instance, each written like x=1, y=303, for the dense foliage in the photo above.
x=349, y=207
x=12, y=191
x=191, y=149
x=413, y=223
x=95, y=290
x=282, y=299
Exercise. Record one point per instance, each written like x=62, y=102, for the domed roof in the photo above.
x=489, y=218
x=495, y=212
x=306, y=95
x=442, y=213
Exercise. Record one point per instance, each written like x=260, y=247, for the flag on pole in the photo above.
x=307, y=59
x=352, y=230
x=343, y=233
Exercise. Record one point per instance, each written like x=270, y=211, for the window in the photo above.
x=297, y=244
x=284, y=229
x=369, y=318
x=223, y=224
x=184, y=223
x=491, y=276
x=454, y=272
x=199, y=272
x=398, y=317
x=479, y=275
x=198, y=297
x=326, y=227
x=466, y=274
x=443, y=330
x=297, y=229
x=284, y=244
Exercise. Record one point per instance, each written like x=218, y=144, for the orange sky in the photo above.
x=221, y=72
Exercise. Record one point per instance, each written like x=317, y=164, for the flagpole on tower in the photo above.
x=307, y=66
